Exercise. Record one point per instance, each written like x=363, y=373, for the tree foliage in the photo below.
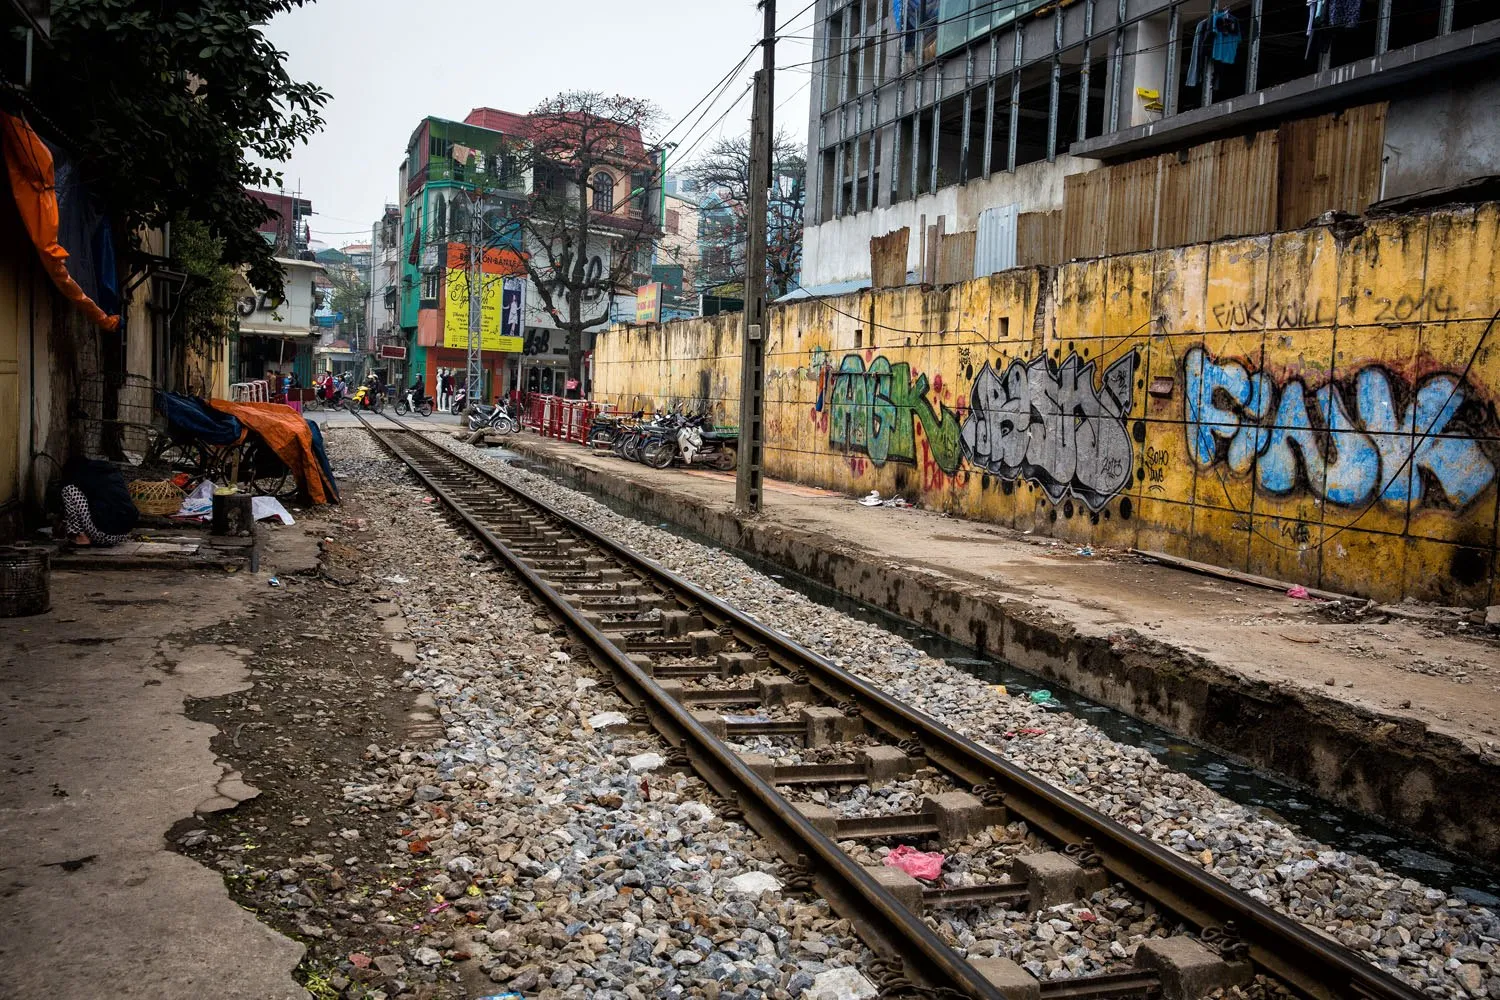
x=580, y=252
x=723, y=175
x=164, y=100
x=205, y=306
x=350, y=294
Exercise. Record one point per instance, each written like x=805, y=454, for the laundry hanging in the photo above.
x=1323, y=15
x=1226, y=37
x=1216, y=37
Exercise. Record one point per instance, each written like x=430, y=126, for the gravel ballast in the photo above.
x=1438, y=943
x=573, y=863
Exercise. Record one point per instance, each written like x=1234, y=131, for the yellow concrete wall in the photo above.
x=1318, y=406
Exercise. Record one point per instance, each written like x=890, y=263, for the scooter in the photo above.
x=410, y=402
x=495, y=417
x=656, y=443
x=606, y=427
x=459, y=401
x=699, y=444
x=367, y=397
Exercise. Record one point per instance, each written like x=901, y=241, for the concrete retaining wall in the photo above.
x=1317, y=406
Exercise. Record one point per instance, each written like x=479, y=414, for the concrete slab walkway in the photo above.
x=100, y=762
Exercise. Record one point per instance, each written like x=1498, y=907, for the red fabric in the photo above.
x=285, y=430
x=28, y=161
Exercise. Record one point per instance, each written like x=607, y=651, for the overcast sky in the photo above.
x=390, y=63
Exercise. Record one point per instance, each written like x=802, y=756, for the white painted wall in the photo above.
x=840, y=250
x=292, y=316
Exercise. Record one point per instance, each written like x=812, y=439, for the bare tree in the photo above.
x=723, y=173
x=588, y=223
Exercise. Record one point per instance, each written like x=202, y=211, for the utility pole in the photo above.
x=472, y=375
x=747, y=485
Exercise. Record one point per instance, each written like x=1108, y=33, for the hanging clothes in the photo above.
x=1216, y=37
x=1196, y=54
x=1226, y=37
x=1316, y=12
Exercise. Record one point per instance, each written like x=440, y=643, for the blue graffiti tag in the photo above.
x=1292, y=438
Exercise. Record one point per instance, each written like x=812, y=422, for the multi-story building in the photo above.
x=475, y=177
x=386, y=345
x=287, y=229
x=678, y=254
x=274, y=336
x=1212, y=117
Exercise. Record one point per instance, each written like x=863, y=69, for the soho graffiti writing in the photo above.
x=873, y=410
x=1370, y=438
x=1048, y=423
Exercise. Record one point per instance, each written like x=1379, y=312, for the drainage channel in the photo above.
x=1343, y=829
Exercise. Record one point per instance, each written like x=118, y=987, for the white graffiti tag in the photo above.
x=1047, y=423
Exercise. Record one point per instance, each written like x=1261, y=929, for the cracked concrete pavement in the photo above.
x=100, y=761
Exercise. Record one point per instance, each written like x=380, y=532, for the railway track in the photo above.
x=680, y=657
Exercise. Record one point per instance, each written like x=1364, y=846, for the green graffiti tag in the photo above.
x=872, y=411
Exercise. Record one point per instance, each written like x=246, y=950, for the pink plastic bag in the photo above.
x=916, y=863
x=1299, y=592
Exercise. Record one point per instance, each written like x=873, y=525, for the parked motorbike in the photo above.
x=413, y=400
x=693, y=443
x=606, y=427
x=699, y=444
x=632, y=438
x=497, y=418
x=460, y=400
x=658, y=441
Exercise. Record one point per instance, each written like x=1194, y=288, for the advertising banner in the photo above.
x=499, y=290
x=648, y=303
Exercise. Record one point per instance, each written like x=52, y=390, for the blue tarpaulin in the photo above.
x=190, y=417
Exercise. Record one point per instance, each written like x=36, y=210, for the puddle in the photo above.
x=1315, y=817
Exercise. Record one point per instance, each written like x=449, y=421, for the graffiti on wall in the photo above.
x=874, y=410
x=1048, y=423
x=1372, y=437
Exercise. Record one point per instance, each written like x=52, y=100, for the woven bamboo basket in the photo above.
x=159, y=497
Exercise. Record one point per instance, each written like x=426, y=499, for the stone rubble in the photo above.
x=1442, y=945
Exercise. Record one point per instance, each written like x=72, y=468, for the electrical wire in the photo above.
x=1104, y=35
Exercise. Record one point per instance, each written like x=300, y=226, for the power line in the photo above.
x=1182, y=41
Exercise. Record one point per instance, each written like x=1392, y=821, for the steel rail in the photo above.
x=1309, y=963
x=849, y=889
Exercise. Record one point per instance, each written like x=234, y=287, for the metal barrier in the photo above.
x=565, y=419
x=258, y=391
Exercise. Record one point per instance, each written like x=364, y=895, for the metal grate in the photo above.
x=114, y=416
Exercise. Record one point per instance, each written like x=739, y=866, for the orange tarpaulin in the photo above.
x=286, y=432
x=28, y=161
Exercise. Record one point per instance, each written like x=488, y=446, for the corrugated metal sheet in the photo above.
x=995, y=248
x=888, y=258
x=1331, y=163
x=1039, y=238
x=1131, y=207
x=1224, y=188
x=1248, y=167
x=1085, y=203
x=1275, y=179
x=955, y=256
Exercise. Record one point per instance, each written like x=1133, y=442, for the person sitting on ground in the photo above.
x=97, y=509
